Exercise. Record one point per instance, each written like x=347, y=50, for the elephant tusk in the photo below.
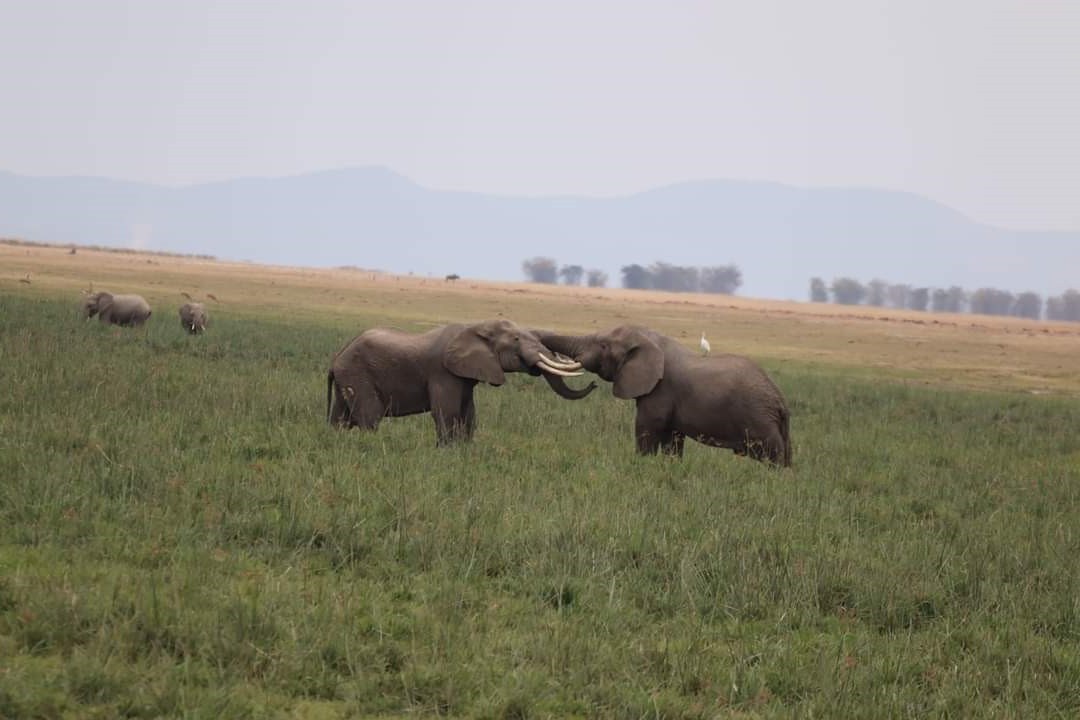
x=572, y=365
x=563, y=373
x=557, y=371
x=561, y=362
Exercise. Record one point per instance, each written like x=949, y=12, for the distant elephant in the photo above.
x=724, y=401
x=193, y=317
x=116, y=309
x=390, y=373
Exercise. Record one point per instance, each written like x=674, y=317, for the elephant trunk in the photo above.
x=556, y=383
x=569, y=345
x=90, y=306
x=541, y=360
x=538, y=357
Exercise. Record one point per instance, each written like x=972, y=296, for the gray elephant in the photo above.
x=193, y=317
x=130, y=310
x=724, y=401
x=390, y=373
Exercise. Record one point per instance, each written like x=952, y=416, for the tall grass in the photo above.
x=181, y=534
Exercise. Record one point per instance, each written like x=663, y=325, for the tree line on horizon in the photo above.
x=722, y=279
x=955, y=299
x=547, y=271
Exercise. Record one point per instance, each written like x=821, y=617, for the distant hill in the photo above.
x=778, y=235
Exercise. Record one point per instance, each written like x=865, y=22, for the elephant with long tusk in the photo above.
x=389, y=373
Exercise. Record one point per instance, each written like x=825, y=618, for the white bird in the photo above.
x=704, y=344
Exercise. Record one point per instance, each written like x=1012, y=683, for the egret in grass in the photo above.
x=704, y=344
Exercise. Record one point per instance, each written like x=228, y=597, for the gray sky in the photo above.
x=975, y=103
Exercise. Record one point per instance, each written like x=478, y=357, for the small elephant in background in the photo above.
x=128, y=310
x=193, y=317
x=390, y=373
x=721, y=400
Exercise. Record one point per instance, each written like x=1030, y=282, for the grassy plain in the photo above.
x=182, y=535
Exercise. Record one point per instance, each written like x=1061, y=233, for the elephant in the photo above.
x=193, y=317
x=720, y=400
x=116, y=309
x=385, y=372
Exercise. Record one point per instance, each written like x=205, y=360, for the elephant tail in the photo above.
x=785, y=434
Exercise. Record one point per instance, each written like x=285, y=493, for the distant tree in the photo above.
x=636, y=277
x=948, y=300
x=1055, y=308
x=662, y=275
x=571, y=274
x=1064, y=307
x=848, y=291
x=688, y=279
x=982, y=301
x=1003, y=302
x=1028, y=305
x=818, y=292
x=875, y=292
x=939, y=300
x=596, y=278
x=541, y=270
x=674, y=278
x=919, y=299
x=723, y=279
x=957, y=298
x=1070, y=304
x=899, y=295
x=991, y=301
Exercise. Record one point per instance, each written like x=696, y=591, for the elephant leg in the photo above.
x=449, y=427
x=671, y=443
x=648, y=436
x=653, y=427
x=468, y=415
x=448, y=408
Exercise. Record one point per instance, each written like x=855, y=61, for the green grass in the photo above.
x=181, y=534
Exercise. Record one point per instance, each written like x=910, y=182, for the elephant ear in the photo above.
x=641, y=369
x=469, y=355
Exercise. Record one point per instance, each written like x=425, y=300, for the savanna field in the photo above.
x=183, y=535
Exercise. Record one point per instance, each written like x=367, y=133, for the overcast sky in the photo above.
x=975, y=103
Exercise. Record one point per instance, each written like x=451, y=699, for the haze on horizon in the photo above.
x=972, y=103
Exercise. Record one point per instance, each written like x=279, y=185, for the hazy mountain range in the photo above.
x=371, y=217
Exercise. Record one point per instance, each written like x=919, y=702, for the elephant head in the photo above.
x=193, y=317
x=627, y=356
x=95, y=302
x=487, y=351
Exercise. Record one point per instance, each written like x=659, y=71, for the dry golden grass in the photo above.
x=970, y=351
